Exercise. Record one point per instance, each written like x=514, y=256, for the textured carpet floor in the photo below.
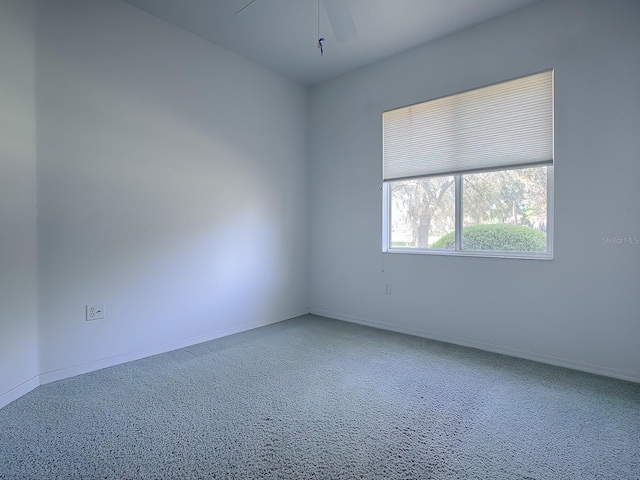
x=313, y=398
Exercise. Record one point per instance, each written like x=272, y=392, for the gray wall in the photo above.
x=171, y=187
x=18, y=268
x=579, y=310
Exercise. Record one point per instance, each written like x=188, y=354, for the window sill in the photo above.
x=472, y=253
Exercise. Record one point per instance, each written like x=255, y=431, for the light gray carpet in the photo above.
x=313, y=398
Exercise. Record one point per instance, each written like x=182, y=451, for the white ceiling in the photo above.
x=282, y=34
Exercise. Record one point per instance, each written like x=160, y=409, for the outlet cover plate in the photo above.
x=95, y=311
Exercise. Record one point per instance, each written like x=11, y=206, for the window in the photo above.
x=472, y=173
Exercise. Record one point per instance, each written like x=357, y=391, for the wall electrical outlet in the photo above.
x=387, y=289
x=95, y=312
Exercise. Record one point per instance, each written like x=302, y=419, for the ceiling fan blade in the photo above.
x=341, y=20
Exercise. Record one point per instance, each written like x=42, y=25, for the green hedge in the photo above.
x=498, y=237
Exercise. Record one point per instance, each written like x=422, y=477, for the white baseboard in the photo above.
x=72, y=371
x=632, y=376
x=22, y=389
x=61, y=374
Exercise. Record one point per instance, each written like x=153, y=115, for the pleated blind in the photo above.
x=501, y=125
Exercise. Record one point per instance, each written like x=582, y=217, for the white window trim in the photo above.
x=459, y=219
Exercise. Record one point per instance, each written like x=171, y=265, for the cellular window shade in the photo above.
x=501, y=125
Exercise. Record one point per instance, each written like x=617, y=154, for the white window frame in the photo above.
x=459, y=214
x=458, y=250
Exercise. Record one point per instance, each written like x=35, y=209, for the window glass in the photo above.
x=505, y=210
x=422, y=211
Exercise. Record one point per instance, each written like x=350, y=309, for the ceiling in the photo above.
x=282, y=35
